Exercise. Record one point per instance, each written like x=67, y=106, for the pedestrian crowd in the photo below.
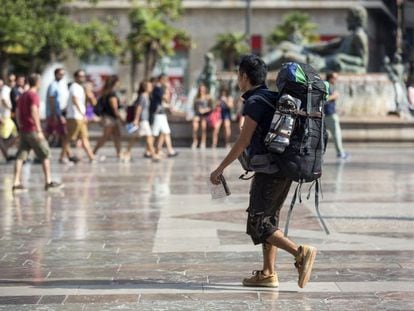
x=146, y=117
x=67, y=122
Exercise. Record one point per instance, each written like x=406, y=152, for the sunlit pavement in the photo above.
x=147, y=236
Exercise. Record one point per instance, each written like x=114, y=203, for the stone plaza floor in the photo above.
x=147, y=236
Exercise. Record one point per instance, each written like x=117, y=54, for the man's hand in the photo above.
x=215, y=176
x=241, y=143
x=40, y=136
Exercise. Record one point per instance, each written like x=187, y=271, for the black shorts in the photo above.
x=267, y=195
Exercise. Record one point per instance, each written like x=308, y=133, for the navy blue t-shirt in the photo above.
x=156, y=100
x=260, y=112
x=330, y=106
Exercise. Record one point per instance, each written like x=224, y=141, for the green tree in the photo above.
x=151, y=36
x=37, y=32
x=296, y=27
x=229, y=47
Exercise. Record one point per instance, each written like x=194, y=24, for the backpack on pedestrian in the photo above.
x=297, y=137
x=99, y=107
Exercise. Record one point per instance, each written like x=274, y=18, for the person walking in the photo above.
x=268, y=191
x=31, y=136
x=17, y=90
x=226, y=104
x=55, y=121
x=141, y=118
x=160, y=128
x=8, y=130
x=111, y=118
x=203, y=105
x=76, y=116
x=332, y=118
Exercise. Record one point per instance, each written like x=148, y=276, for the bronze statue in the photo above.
x=396, y=74
x=208, y=74
x=347, y=54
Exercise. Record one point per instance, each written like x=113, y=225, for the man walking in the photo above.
x=76, y=115
x=159, y=103
x=331, y=118
x=268, y=191
x=31, y=136
x=55, y=122
x=17, y=91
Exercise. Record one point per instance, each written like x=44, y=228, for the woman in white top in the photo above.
x=141, y=119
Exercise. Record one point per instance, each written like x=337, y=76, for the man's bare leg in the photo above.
x=279, y=240
x=87, y=147
x=269, y=258
x=3, y=148
x=168, y=143
x=160, y=143
x=46, y=171
x=18, y=172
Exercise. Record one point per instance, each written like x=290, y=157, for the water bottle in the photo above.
x=283, y=122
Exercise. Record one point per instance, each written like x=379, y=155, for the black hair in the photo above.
x=330, y=75
x=77, y=72
x=57, y=70
x=33, y=79
x=255, y=69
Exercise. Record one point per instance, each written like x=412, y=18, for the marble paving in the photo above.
x=147, y=236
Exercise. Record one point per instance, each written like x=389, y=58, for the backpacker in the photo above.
x=297, y=137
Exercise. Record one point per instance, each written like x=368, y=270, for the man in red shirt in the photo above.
x=31, y=135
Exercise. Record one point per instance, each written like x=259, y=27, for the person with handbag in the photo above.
x=224, y=106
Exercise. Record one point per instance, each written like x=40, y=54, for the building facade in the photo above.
x=205, y=19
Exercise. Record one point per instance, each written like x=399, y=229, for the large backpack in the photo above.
x=301, y=159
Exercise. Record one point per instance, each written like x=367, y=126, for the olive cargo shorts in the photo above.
x=267, y=195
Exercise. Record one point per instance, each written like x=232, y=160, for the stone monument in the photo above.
x=347, y=54
x=208, y=75
x=397, y=75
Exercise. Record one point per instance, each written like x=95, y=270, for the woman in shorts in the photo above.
x=142, y=120
x=111, y=118
x=202, y=108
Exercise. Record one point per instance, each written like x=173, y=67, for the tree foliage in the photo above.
x=296, y=27
x=151, y=36
x=41, y=31
x=229, y=47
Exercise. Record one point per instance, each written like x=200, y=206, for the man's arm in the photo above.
x=51, y=103
x=333, y=96
x=76, y=103
x=6, y=99
x=242, y=142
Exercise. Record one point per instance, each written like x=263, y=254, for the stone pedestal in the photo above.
x=365, y=96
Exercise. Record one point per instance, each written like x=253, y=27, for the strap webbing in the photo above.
x=243, y=176
x=317, y=207
x=292, y=204
x=297, y=195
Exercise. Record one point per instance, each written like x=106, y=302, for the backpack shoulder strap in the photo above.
x=263, y=99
